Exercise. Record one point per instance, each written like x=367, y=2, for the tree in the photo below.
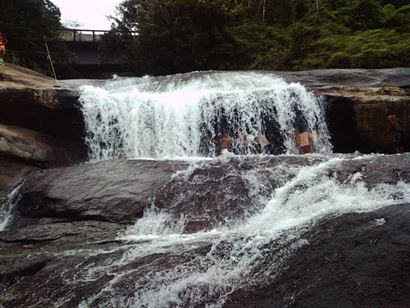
x=176, y=36
x=27, y=24
x=183, y=35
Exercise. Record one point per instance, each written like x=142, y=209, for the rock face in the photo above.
x=64, y=234
x=359, y=101
x=37, y=148
x=31, y=101
x=357, y=260
x=116, y=192
x=11, y=175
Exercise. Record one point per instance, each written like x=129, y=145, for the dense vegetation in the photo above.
x=28, y=24
x=184, y=35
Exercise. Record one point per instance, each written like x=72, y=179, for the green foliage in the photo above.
x=27, y=24
x=362, y=49
x=184, y=35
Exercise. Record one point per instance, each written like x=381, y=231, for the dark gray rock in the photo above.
x=38, y=149
x=112, y=191
x=64, y=236
x=365, y=78
x=11, y=175
x=352, y=261
x=225, y=190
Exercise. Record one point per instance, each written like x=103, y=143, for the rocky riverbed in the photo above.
x=69, y=241
x=234, y=231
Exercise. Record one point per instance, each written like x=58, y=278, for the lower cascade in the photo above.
x=185, y=115
x=211, y=231
x=176, y=269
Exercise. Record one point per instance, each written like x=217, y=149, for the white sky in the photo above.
x=91, y=14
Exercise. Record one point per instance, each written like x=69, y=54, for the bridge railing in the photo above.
x=81, y=35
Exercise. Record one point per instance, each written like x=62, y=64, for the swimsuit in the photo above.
x=305, y=149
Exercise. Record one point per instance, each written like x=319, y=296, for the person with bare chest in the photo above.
x=304, y=141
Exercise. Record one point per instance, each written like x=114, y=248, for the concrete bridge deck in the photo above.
x=89, y=63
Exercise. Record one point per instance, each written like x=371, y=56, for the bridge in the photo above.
x=83, y=43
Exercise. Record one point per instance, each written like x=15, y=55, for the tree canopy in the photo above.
x=175, y=36
x=27, y=24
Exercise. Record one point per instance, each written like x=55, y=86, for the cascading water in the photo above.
x=185, y=254
x=173, y=269
x=218, y=226
x=185, y=115
x=7, y=207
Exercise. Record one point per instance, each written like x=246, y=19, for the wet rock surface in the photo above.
x=65, y=234
x=358, y=102
x=357, y=260
x=65, y=245
x=111, y=191
x=34, y=103
x=38, y=149
x=11, y=175
x=227, y=189
x=390, y=77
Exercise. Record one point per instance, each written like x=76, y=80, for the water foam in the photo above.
x=183, y=115
x=7, y=207
x=213, y=264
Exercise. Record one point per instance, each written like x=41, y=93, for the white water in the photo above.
x=241, y=255
x=184, y=115
x=7, y=208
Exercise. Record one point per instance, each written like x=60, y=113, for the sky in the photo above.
x=91, y=14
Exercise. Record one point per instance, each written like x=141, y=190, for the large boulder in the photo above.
x=30, y=146
x=34, y=101
x=111, y=191
x=67, y=221
x=40, y=121
x=357, y=260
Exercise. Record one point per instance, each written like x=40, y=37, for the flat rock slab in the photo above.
x=31, y=146
x=64, y=235
x=364, y=78
x=18, y=77
x=111, y=191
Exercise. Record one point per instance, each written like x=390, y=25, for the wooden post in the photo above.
x=51, y=61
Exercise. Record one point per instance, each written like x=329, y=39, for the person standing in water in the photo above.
x=303, y=138
x=224, y=142
x=396, y=126
x=304, y=141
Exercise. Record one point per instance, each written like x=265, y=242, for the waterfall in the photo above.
x=185, y=115
x=6, y=208
x=175, y=269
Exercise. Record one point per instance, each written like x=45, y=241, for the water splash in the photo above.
x=202, y=269
x=184, y=115
x=7, y=207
